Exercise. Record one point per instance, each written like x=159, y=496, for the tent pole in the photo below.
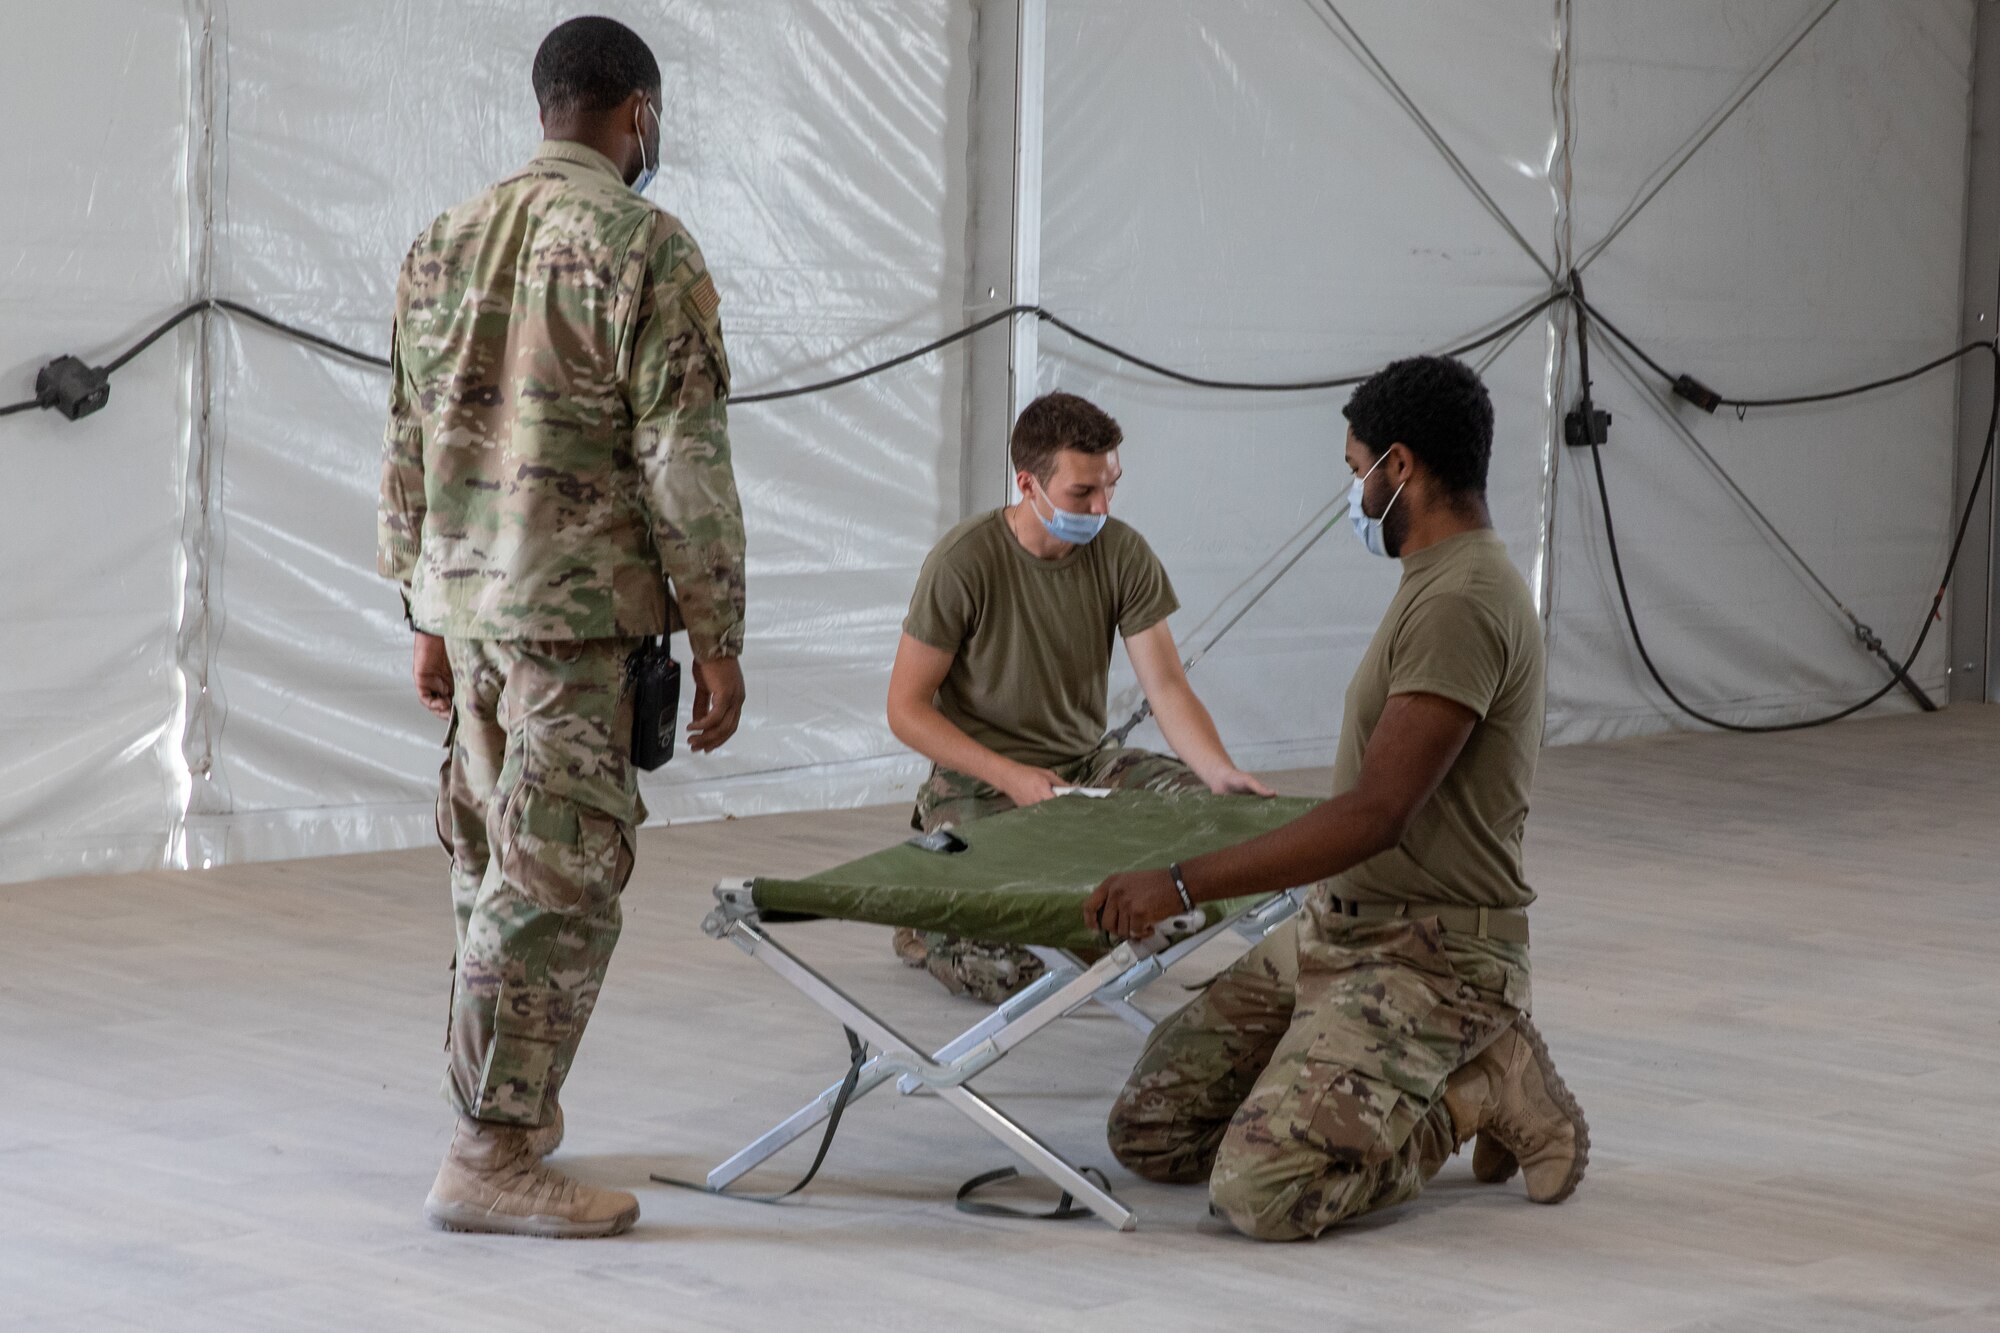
x=1005, y=235
x=1975, y=593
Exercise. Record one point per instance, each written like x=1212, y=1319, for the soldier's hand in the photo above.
x=1129, y=905
x=1031, y=786
x=1235, y=782
x=431, y=668
x=718, y=703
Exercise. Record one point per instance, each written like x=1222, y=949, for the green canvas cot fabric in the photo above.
x=1026, y=874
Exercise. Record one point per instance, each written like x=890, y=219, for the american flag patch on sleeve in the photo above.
x=704, y=298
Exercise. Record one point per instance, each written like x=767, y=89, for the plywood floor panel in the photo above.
x=1765, y=964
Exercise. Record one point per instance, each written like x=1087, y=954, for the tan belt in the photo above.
x=1508, y=924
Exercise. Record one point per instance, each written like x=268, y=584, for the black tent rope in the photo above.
x=367, y=358
x=1585, y=314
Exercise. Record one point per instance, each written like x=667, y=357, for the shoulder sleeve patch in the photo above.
x=704, y=298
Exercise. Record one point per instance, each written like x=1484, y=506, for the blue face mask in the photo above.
x=1076, y=529
x=647, y=170
x=1369, y=530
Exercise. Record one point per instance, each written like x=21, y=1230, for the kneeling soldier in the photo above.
x=1336, y=1066
x=1001, y=676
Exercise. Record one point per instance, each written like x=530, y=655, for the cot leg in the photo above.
x=1041, y=1157
x=1128, y=1011
x=1053, y=959
x=873, y=1075
x=796, y=1125
x=752, y=938
x=1057, y=976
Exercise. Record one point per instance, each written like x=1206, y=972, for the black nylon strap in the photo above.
x=1066, y=1207
x=857, y=1056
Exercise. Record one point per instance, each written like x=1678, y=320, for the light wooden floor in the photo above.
x=1767, y=966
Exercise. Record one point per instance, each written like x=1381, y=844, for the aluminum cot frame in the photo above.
x=1067, y=985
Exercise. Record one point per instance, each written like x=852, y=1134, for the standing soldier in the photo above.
x=557, y=453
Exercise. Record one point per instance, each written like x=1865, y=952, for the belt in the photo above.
x=1508, y=924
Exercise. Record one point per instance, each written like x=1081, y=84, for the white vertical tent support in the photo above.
x=1031, y=66
x=1009, y=57
x=1975, y=596
x=1555, y=366
x=198, y=733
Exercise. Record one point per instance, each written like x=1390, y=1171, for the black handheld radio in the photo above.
x=656, y=703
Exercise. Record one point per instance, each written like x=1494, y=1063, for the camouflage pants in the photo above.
x=992, y=972
x=1306, y=1083
x=537, y=804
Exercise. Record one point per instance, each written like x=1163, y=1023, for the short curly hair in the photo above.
x=1438, y=408
x=589, y=65
x=1058, y=421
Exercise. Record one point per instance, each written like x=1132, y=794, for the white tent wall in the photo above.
x=94, y=245
x=815, y=150
x=1228, y=189
x=1815, y=241
x=1230, y=192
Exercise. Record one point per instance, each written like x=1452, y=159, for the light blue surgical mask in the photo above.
x=647, y=170
x=1369, y=530
x=1076, y=529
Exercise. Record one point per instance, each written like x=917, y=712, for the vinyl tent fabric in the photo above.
x=95, y=246
x=814, y=149
x=1233, y=189
x=1229, y=191
x=1025, y=875
x=201, y=665
x=1815, y=241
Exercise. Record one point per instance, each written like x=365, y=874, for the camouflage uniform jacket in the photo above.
x=558, y=449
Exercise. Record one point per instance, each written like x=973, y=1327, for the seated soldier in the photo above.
x=1335, y=1067
x=1001, y=675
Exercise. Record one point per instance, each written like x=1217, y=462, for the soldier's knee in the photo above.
x=460, y=818
x=566, y=855
x=1255, y=1206
x=1133, y=1151
x=1298, y=1208
x=1268, y=1192
x=1155, y=1150
x=1155, y=1137
x=1175, y=1167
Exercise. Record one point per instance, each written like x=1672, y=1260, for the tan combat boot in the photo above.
x=490, y=1182
x=1491, y=1163
x=543, y=1141
x=909, y=946
x=1512, y=1095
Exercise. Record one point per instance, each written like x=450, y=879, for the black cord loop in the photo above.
x=857, y=1056
x=1584, y=314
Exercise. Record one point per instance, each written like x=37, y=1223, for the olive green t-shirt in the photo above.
x=1463, y=626
x=1032, y=637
